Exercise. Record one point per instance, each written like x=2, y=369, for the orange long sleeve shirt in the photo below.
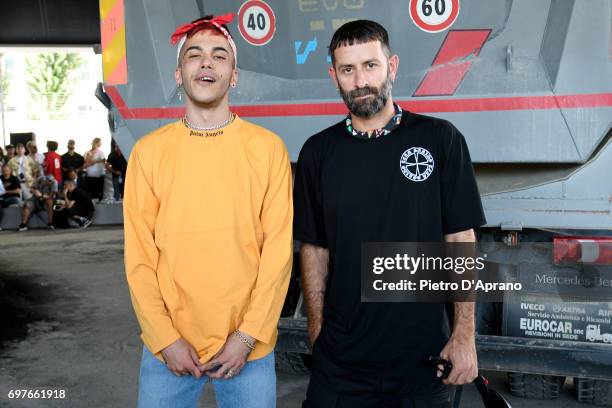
x=208, y=235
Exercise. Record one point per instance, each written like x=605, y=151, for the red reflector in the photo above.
x=588, y=250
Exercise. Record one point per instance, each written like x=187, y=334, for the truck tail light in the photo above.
x=587, y=250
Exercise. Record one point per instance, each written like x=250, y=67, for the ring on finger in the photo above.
x=230, y=373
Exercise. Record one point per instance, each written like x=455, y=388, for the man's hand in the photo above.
x=232, y=356
x=181, y=358
x=461, y=351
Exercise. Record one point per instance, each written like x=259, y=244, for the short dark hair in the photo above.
x=359, y=32
x=51, y=145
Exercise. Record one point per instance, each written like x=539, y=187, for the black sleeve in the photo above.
x=461, y=205
x=308, y=222
x=123, y=164
x=14, y=183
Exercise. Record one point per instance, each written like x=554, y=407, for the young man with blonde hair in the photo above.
x=208, y=238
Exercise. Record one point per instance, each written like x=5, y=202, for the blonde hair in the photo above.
x=94, y=142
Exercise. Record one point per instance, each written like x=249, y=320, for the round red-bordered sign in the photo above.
x=434, y=16
x=256, y=22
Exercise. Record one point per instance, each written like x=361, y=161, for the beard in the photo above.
x=368, y=107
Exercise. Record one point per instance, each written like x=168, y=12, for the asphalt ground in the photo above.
x=66, y=323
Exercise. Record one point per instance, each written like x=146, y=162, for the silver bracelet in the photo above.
x=243, y=339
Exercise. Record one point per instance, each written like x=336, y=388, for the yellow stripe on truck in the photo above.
x=112, y=28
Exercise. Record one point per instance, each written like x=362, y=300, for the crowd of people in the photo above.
x=66, y=186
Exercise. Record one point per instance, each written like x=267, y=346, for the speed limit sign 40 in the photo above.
x=256, y=22
x=434, y=16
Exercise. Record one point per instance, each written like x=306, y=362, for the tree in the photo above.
x=49, y=79
x=4, y=80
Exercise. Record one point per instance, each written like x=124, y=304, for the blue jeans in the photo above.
x=6, y=201
x=117, y=187
x=254, y=387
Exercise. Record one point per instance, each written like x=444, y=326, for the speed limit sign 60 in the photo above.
x=434, y=16
x=256, y=22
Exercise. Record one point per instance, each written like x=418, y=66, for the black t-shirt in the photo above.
x=118, y=163
x=12, y=183
x=349, y=190
x=75, y=161
x=82, y=202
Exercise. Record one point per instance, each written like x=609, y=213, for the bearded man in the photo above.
x=381, y=175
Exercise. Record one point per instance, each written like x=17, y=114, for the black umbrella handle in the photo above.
x=482, y=384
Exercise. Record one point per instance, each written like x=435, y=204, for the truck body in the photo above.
x=527, y=82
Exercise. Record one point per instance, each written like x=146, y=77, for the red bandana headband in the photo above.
x=180, y=34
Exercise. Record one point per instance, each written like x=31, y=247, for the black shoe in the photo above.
x=86, y=223
x=22, y=227
x=50, y=227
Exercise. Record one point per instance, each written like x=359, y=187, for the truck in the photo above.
x=529, y=84
x=593, y=333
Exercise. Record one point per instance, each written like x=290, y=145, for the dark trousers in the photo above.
x=320, y=395
x=332, y=385
x=60, y=218
x=95, y=186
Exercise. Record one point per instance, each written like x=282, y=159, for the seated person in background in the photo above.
x=72, y=174
x=77, y=204
x=10, y=153
x=12, y=188
x=43, y=193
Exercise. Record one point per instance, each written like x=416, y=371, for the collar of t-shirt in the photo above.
x=376, y=133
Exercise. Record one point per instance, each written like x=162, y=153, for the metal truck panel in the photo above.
x=582, y=200
x=538, y=89
x=526, y=82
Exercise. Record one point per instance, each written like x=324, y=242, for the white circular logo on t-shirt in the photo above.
x=417, y=164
